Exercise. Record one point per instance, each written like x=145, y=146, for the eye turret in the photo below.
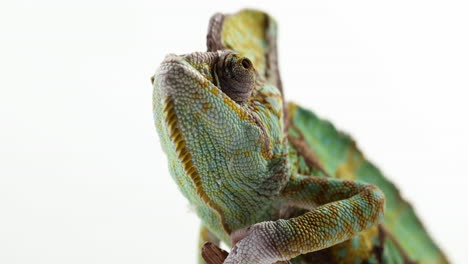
x=235, y=76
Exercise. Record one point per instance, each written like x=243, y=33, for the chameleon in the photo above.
x=269, y=178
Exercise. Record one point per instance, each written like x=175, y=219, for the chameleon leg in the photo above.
x=205, y=236
x=338, y=211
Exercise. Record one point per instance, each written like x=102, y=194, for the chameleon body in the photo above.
x=269, y=178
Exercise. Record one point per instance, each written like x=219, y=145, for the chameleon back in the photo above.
x=339, y=156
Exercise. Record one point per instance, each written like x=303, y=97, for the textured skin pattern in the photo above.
x=339, y=210
x=339, y=156
x=273, y=180
x=227, y=154
x=212, y=142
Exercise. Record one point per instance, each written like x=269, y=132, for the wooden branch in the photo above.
x=212, y=254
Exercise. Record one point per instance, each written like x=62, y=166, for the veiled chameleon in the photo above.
x=270, y=178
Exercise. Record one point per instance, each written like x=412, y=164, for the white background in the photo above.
x=82, y=175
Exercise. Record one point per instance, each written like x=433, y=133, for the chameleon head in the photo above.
x=222, y=129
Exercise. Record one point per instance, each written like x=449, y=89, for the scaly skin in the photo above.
x=340, y=158
x=259, y=179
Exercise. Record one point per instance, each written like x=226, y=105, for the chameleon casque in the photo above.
x=268, y=178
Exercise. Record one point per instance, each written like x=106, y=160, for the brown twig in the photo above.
x=212, y=254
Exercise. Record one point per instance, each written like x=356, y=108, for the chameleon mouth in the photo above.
x=185, y=88
x=170, y=80
x=193, y=107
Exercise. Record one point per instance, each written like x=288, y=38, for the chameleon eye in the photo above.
x=246, y=63
x=235, y=76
